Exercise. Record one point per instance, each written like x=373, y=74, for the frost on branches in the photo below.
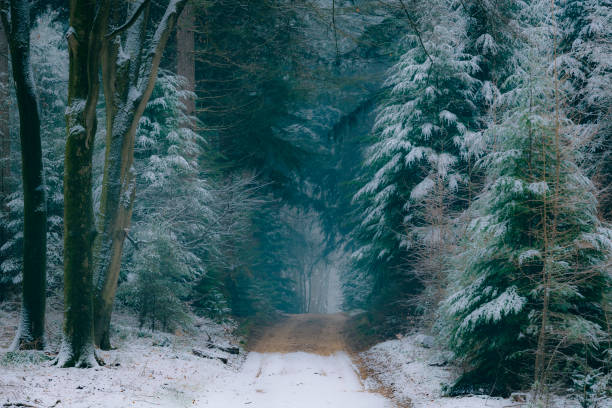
x=418, y=134
x=531, y=275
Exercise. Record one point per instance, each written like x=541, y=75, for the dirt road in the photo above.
x=311, y=333
x=298, y=363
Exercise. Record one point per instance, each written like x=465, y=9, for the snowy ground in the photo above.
x=160, y=370
x=414, y=371
x=411, y=371
x=294, y=380
x=147, y=369
x=153, y=369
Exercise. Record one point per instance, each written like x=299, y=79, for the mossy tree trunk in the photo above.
x=88, y=19
x=128, y=84
x=31, y=331
x=5, y=135
x=185, y=54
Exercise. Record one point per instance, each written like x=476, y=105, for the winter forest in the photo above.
x=306, y=203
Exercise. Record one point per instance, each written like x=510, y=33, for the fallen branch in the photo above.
x=202, y=354
x=230, y=350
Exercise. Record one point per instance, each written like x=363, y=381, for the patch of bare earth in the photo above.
x=311, y=333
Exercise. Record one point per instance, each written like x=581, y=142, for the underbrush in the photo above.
x=21, y=358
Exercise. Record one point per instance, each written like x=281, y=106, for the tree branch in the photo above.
x=415, y=29
x=132, y=240
x=154, y=54
x=130, y=21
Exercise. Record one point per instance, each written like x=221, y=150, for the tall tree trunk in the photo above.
x=118, y=180
x=128, y=82
x=31, y=331
x=5, y=134
x=87, y=28
x=185, y=54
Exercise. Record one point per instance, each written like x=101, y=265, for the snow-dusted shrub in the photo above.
x=23, y=357
x=591, y=387
x=158, y=281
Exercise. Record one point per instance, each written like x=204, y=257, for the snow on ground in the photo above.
x=405, y=367
x=294, y=380
x=414, y=371
x=147, y=369
x=158, y=369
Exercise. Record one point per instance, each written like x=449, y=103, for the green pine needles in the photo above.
x=532, y=271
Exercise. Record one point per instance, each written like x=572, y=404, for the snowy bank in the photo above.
x=414, y=371
x=147, y=369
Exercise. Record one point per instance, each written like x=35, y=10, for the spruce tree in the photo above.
x=532, y=272
x=585, y=63
x=418, y=136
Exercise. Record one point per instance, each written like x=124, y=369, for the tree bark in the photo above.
x=31, y=331
x=128, y=84
x=185, y=54
x=5, y=134
x=88, y=19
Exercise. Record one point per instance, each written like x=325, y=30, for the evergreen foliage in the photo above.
x=161, y=266
x=535, y=248
x=585, y=63
x=418, y=132
x=197, y=244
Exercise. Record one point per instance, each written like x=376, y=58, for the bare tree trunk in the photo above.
x=549, y=235
x=128, y=84
x=185, y=54
x=118, y=181
x=88, y=20
x=5, y=134
x=31, y=331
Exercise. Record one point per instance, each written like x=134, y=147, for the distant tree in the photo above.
x=30, y=334
x=185, y=54
x=6, y=268
x=5, y=135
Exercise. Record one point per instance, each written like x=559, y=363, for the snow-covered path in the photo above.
x=298, y=363
x=293, y=380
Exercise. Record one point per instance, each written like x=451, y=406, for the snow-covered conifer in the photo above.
x=418, y=135
x=530, y=280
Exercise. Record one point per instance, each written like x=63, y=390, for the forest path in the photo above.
x=311, y=333
x=298, y=363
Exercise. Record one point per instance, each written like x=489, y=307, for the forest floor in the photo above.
x=300, y=362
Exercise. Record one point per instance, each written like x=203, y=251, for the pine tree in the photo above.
x=418, y=136
x=585, y=63
x=532, y=271
x=161, y=265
